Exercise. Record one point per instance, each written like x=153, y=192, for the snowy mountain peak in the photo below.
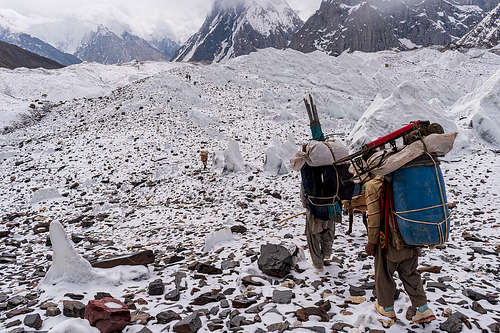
x=486, y=34
x=36, y=45
x=106, y=47
x=235, y=28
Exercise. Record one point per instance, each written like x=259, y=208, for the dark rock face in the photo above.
x=140, y=258
x=275, y=260
x=239, y=28
x=166, y=317
x=156, y=288
x=167, y=46
x=428, y=22
x=12, y=56
x=37, y=46
x=74, y=309
x=486, y=34
x=105, y=47
x=339, y=26
x=107, y=314
x=372, y=25
x=33, y=321
x=282, y=296
x=190, y=324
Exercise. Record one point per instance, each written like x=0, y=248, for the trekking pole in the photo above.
x=292, y=217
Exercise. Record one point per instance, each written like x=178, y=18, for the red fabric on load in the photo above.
x=385, y=213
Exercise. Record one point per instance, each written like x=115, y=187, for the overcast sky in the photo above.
x=180, y=18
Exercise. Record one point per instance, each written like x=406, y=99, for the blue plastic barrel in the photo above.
x=419, y=206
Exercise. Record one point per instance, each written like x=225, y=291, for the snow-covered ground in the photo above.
x=123, y=171
x=20, y=87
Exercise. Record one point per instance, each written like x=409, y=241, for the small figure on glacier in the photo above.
x=204, y=158
x=322, y=188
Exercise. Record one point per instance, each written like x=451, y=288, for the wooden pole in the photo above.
x=292, y=217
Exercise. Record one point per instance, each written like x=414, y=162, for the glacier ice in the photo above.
x=75, y=325
x=67, y=264
x=216, y=238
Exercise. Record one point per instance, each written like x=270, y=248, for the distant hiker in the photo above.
x=322, y=188
x=391, y=255
x=204, y=158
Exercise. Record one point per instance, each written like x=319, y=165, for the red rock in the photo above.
x=107, y=317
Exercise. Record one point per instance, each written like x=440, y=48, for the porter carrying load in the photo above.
x=418, y=209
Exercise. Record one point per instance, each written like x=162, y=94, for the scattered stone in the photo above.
x=280, y=327
x=166, y=317
x=354, y=300
x=4, y=233
x=141, y=258
x=107, y=314
x=46, y=305
x=174, y=259
x=256, y=309
x=469, y=237
x=42, y=227
x=52, y=311
x=33, y=321
x=208, y=269
x=304, y=313
x=430, y=269
x=73, y=309
x=101, y=295
x=156, y=288
x=241, y=302
x=282, y=296
x=190, y=324
x=475, y=296
x=357, y=291
x=386, y=323
x=438, y=285
x=18, y=312
x=478, y=308
x=249, y=280
x=228, y=264
x=210, y=297
x=224, y=304
x=173, y=295
x=275, y=260
x=453, y=324
x=16, y=301
x=340, y=327
x=140, y=317
x=75, y=297
x=13, y=323
x=238, y=229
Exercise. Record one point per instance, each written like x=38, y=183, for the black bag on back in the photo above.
x=323, y=186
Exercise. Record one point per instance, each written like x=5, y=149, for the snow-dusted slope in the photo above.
x=20, y=87
x=235, y=28
x=123, y=173
x=340, y=26
x=486, y=34
x=480, y=110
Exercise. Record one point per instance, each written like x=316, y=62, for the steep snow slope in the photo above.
x=486, y=34
x=20, y=87
x=127, y=171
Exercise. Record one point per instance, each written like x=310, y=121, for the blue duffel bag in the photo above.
x=420, y=203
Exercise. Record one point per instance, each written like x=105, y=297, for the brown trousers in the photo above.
x=320, y=235
x=405, y=262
